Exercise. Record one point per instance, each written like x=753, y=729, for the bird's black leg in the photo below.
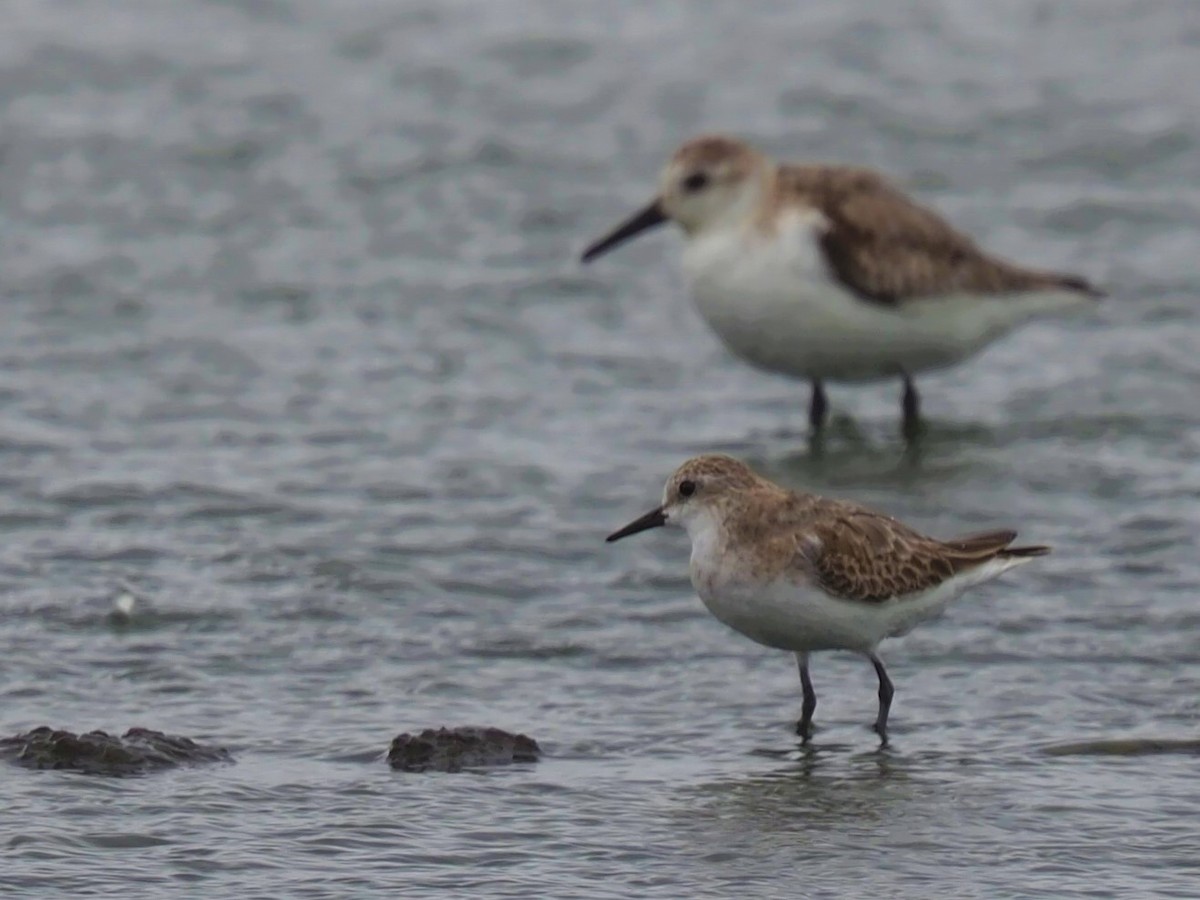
x=818, y=407
x=804, y=726
x=911, y=405
x=885, y=697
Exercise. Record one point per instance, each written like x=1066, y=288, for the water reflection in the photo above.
x=822, y=787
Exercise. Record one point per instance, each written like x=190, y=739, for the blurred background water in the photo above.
x=296, y=345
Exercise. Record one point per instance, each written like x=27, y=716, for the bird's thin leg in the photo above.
x=911, y=405
x=885, y=696
x=818, y=407
x=804, y=726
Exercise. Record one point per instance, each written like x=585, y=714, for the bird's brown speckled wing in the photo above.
x=887, y=248
x=868, y=557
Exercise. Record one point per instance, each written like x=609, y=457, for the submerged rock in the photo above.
x=1125, y=747
x=138, y=751
x=455, y=749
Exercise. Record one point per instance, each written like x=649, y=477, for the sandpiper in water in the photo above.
x=830, y=272
x=804, y=573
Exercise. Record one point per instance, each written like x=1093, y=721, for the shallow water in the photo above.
x=297, y=348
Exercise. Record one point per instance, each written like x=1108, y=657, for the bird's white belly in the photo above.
x=773, y=302
x=790, y=614
x=795, y=617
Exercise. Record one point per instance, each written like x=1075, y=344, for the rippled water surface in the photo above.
x=297, y=348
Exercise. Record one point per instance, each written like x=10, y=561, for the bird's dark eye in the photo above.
x=687, y=488
x=697, y=181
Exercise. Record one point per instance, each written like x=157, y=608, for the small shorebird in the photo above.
x=803, y=573
x=831, y=272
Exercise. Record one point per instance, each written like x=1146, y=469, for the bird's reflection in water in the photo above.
x=821, y=786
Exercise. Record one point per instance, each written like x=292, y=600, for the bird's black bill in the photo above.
x=656, y=518
x=640, y=221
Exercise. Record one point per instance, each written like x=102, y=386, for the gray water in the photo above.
x=297, y=348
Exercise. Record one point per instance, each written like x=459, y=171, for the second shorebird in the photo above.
x=803, y=573
x=830, y=272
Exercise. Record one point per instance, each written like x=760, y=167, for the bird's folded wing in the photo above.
x=887, y=248
x=871, y=558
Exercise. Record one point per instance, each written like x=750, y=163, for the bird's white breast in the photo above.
x=772, y=300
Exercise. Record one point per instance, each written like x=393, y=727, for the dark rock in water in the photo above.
x=138, y=751
x=455, y=749
x=1126, y=747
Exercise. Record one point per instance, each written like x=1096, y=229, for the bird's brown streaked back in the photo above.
x=871, y=558
x=887, y=248
x=850, y=551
